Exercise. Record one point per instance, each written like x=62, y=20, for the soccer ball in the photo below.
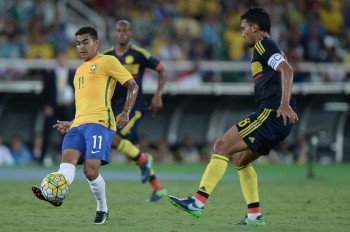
x=55, y=187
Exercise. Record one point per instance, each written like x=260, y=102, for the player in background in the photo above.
x=256, y=134
x=89, y=136
x=136, y=60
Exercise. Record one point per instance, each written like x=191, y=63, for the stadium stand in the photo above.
x=206, y=93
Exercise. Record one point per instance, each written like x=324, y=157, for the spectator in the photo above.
x=170, y=50
x=5, y=154
x=285, y=156
x=39, y=48
x=20, y=151
x=187, y=151
x=312, y=39
x=58, y=99
x=164, y=154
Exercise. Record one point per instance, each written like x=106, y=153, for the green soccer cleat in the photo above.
x=157, y=195
x=259, y=221
x=188, y=205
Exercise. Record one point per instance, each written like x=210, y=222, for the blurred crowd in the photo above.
x=188, y=152
x=307, y=30
x=172, y=30
x=16, y=152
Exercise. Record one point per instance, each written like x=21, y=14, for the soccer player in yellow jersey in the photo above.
x=89, y=136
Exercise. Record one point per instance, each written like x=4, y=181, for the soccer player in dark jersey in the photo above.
x=89, y=136
x=136, y=60
x=257, y=133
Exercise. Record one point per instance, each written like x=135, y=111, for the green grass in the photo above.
x=289, y=201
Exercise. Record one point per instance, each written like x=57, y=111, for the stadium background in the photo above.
x=209, y=86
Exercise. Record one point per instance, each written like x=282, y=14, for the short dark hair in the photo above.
x=87, y=30
x=258, y=16
x=123, y=22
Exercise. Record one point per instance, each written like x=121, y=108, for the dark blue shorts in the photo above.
x=130, y=131
x=262, y=130
x=92, y=140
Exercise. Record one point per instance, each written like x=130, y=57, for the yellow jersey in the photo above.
x=94, y=85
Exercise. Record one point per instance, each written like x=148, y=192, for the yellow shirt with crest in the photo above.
x=94, y=85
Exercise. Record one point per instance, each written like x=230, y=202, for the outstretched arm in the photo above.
x=123, y=118
x=157, y=102
x=287, y=84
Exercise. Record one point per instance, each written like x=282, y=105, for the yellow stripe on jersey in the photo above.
x=109, y=110
x=132, y=68
x=258, y=122
x=108, y=50
x=256, y=68
x=142, y=50
x=259, y=47
x=126, y=130
x=94, y=84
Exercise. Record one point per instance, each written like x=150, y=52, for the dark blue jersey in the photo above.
x=135, y=60
x=267, y=81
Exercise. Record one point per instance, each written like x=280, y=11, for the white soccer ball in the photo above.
x=55, y=187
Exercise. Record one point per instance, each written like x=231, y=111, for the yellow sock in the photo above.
x=213, y=173
x=127, y=148
x=249, y=183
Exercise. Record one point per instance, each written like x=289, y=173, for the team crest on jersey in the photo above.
x=93, y=68
x=129, y=59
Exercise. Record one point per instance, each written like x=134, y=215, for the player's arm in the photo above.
x=287, y=84
x=157, y=102
x=116, y=70
x=276, y=60
x=132, y=88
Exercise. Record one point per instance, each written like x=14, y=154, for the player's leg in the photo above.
x=249, y=185
x=125, y=141
x=73, y=147
x=261, y=131
x=142, y=160
x=98, y=143
x=228, y=144
x=98, y=189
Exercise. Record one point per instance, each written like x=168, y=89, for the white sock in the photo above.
x=253, y=216
x=68, y=170
x=198, y=202
x=98, y=188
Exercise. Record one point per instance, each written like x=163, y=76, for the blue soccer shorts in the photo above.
x=92, y=140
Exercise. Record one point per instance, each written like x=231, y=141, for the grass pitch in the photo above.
x=289, y=202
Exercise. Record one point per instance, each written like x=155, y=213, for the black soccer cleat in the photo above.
x=101, y=217
x=37, y=192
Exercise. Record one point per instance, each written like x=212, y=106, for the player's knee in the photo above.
x=238, y=160
x=220, y=148
x=70, y=156
x=91, y=173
